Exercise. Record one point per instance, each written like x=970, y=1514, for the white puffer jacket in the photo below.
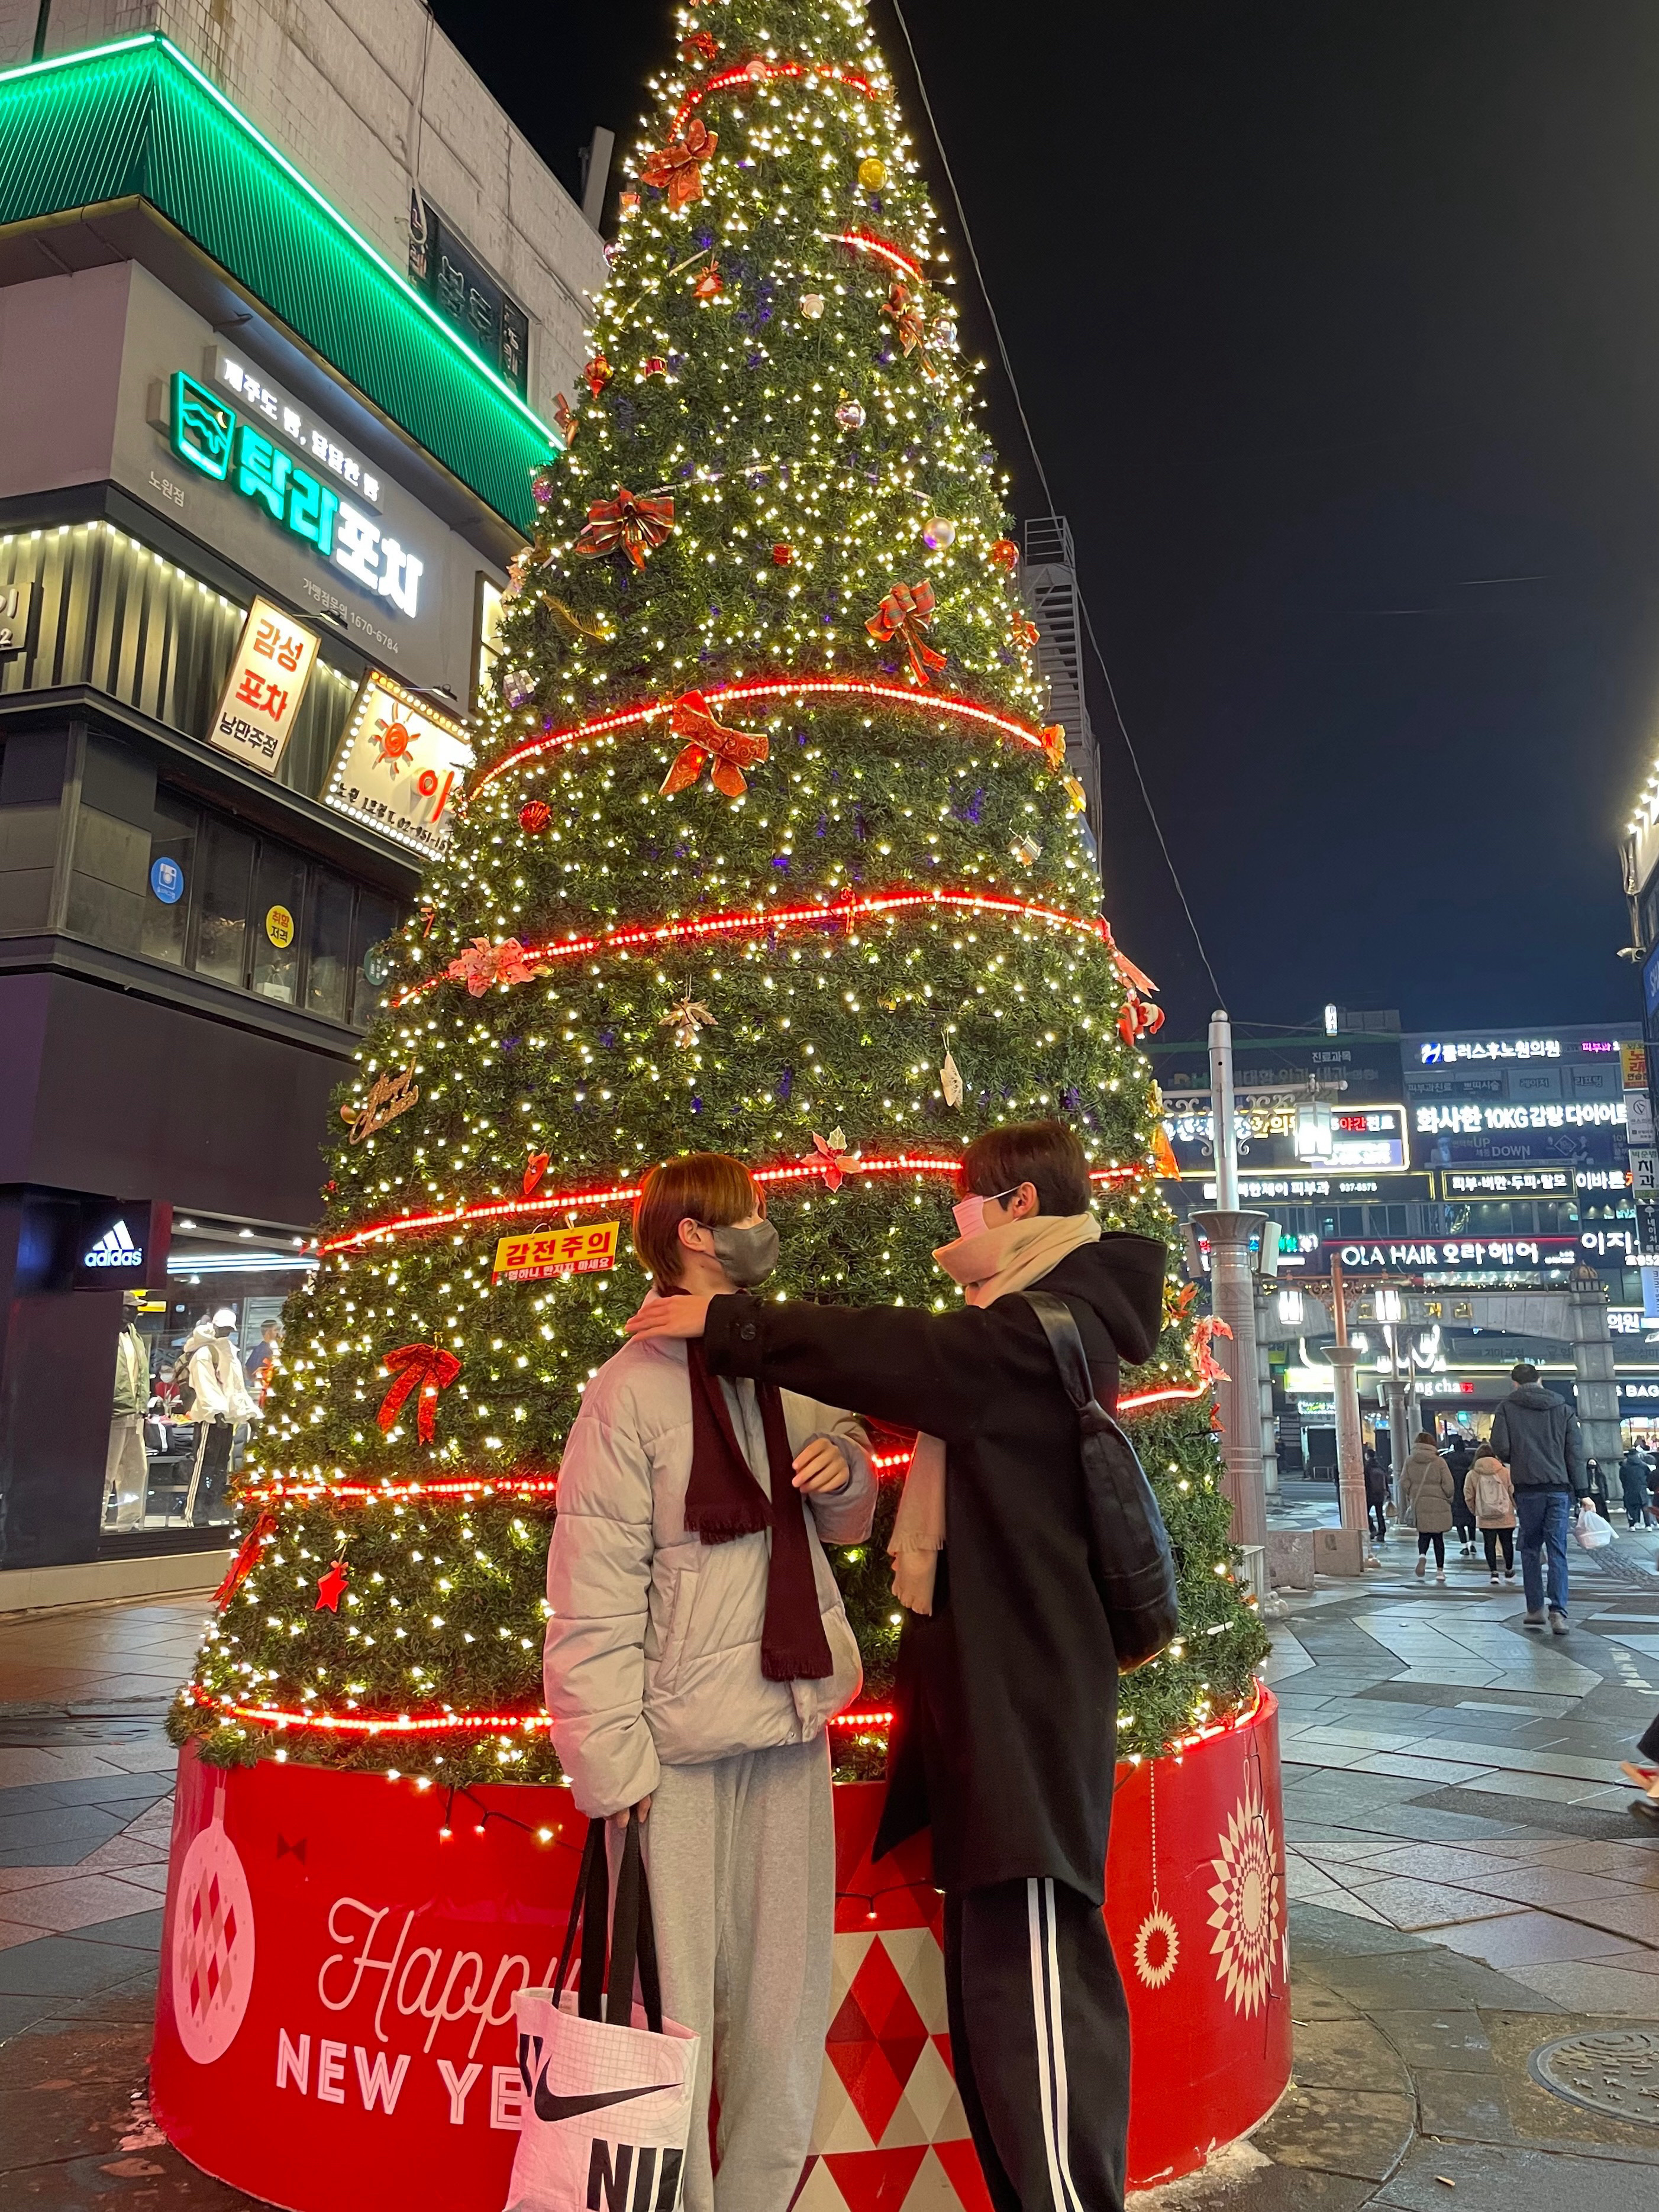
x=653, y=1652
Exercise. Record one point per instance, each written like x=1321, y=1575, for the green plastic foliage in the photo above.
x=738, y=330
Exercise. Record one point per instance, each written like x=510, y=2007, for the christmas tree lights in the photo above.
x=771, y=851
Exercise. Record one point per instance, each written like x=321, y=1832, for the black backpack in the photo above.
x=1130, y=1551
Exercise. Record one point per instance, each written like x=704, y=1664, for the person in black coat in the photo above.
x=1459, y=1459
x=1005, y=1736
x=1377, y=1494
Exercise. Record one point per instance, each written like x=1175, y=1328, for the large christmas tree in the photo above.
x=769, y=852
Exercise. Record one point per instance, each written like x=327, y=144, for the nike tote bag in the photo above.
x=607, y=2081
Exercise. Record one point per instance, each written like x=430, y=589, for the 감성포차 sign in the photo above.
x=400, y=767
x=267, y=681
x=543, y=1252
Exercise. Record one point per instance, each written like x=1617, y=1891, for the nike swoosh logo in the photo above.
x=549, y=2107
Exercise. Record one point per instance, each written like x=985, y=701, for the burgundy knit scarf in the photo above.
x=724, y=1500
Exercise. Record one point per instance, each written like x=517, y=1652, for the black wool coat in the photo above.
x=1005, y=1738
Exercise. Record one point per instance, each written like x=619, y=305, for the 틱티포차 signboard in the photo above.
x=260, y=702
x=400, y=767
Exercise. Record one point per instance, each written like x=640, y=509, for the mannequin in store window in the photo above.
x=126, y=1470
x=219, y=1403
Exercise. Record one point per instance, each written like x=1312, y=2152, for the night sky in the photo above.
x=1339, y=333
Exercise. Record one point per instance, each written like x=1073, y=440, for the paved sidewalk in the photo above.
x=1467, y=1885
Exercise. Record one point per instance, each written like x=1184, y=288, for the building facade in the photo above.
x=258, y=491
x=1444, y=1163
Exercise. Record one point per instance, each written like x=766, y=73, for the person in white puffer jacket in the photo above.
x=697, y=1650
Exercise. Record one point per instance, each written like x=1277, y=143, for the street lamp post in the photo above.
x=1232, y=1300
x=1350, y=1448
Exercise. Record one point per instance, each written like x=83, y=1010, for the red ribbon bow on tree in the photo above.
x=433, y=1369
x=908, y=325
x=242, y=1566
x=677, y=168
x=731, y=751
x=484, y=963
x=1140, y=1017
x=639, y=525
x=906, y=613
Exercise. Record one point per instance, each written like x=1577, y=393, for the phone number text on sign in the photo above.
x=556, y=1252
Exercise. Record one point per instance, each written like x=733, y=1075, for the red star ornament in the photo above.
x=332, y=1589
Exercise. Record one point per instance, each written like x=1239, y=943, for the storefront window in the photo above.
x=278, y=907
x=191, y=1374
x=195, y=892
x=222, y=935
x=376, y=919
x=171, y=864
x=328, y=975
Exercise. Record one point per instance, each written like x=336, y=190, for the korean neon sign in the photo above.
x=207, y=434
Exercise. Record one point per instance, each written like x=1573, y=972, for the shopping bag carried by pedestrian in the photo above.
x=1591, y=1530
x=1129, y=1553
x=607, y=2082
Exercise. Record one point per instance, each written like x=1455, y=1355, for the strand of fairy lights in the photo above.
x=840, y=912
x=504, y=1209
x=890, y=695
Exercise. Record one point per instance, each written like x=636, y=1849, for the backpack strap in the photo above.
x=1065, y=1343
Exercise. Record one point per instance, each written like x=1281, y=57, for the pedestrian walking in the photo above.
x=1490, y=1496
x=1646, y=1775
x=1633, y=1479
x=1598, y=1486
x=1459, y=1458
x=1376, y=1495
x=1426, y=1500
x=1536, y=1434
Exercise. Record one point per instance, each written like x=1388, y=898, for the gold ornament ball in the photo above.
x=811, y=305
x=872, y=173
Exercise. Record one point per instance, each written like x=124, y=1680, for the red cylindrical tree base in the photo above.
x=334, y=2019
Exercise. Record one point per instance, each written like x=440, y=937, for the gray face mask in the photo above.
x=748, y=1256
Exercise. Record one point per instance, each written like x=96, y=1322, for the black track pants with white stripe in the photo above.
x=1040, y=2037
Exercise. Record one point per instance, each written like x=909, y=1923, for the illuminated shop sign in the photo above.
x=1436, y=1054
x=400, y=767
x=1506, y=1182
x=260, y=702
x=1361, y=1137
x=272, y=404
x=1439, y=1255
x=1471, y=1120
x=235, y=450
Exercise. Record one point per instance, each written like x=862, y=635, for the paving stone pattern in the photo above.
x=1467, y=1884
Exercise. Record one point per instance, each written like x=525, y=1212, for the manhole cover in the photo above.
x=1615, y=2072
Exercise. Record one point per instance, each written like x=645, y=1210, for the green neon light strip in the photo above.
x=137, y=118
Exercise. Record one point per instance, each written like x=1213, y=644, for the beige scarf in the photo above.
x=989, y=1267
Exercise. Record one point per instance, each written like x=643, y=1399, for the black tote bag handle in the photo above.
x=633, y=1934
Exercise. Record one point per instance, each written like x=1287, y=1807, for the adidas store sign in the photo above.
x=114, y=1248
x=118, y=1243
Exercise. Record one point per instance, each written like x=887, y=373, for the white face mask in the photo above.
x=970, y=1211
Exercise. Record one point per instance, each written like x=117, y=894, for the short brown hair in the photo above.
x=710, y=1187
x=1045, y=1154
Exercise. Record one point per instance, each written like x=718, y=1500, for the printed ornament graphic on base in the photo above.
x=1158, y=1940
x=1249, y=1917
x=212, y=1941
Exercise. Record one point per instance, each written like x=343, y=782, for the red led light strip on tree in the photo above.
x=759, y=72
x=277, y=1716
x=625, y=1194
x=1159, y=1397
x=839, y=913
x=867, y=241
x=397, y=1493
x=856, y=687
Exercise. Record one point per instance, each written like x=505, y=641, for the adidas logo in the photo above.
x=114, y=1248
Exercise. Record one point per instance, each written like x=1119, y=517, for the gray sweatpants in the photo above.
x=741, y=1855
